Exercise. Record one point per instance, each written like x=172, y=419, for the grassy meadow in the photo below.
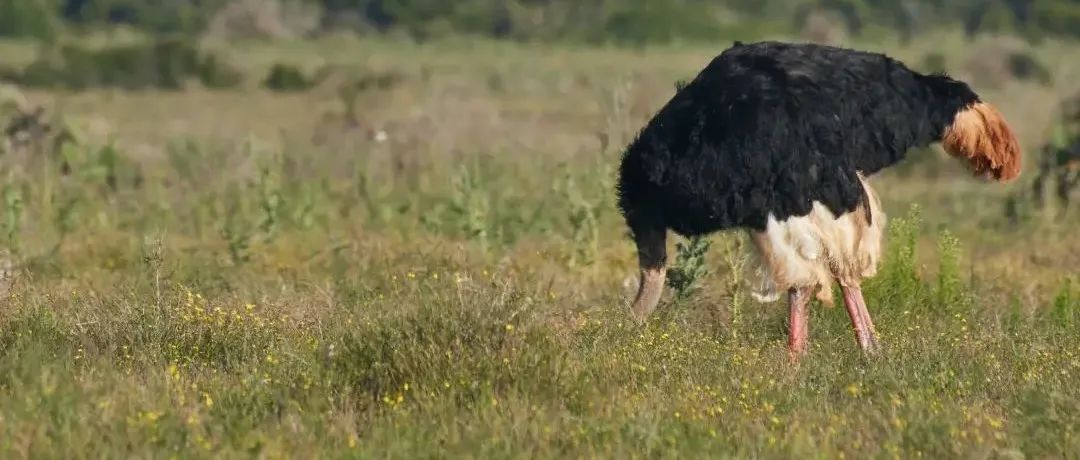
x=432, y=266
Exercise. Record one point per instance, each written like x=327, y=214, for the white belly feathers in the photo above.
x=813, y=250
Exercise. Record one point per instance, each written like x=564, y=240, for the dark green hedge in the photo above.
x=163, y=64
x=588, y=20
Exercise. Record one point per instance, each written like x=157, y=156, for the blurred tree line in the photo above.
x=585, y=20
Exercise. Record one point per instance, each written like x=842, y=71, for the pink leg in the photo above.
x=865, y=314
x=799, y=301
x=860, y=318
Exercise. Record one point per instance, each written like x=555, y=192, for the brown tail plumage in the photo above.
x=981, y=135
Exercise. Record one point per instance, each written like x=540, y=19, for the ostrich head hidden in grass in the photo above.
x=778, y=139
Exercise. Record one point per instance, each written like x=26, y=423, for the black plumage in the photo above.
x=772, y=127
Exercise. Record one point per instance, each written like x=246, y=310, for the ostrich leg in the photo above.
x=860, y=318
x=652, y=257
x=798, y=329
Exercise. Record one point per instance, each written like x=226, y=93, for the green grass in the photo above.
x=243, y=274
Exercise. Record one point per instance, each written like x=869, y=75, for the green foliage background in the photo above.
x=588, y=20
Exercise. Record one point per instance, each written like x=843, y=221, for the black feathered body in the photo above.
x=770, y=128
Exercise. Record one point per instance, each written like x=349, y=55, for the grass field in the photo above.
x=231, y=274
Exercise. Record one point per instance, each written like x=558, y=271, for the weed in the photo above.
x=468, y=206
x=269, y=201
x=734, y=253
x=584, y=227
x=690, y=266
x=65, y=217
x=153, y=259
x=898, y=281
x=950, y=290
x=237, y=234
x=305, y=200
x=13, y=215
x=1066, y=306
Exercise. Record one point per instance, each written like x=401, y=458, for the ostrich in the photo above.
x=778, y=139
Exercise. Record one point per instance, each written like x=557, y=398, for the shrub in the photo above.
x=1057, y=17
x=898, y=282
x=690, y=266
x=188, y=17
x=1025, y=66
x=660, y=22
x=28, y=18
x=627, y=21
x=164, y=64
x=285, y=77
x=215, y=73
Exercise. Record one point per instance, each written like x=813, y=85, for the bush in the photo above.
x=626, y=21
x=188, y=17
x=1025, y=66
x=164, y=64
x=660, y=22
x=28, y=18
x=996, y=61
x=1061, y=17
x=690, y=266
x=286, y=78
x=215, y=73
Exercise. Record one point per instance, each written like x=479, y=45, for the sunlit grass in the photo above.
x=459, y=289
